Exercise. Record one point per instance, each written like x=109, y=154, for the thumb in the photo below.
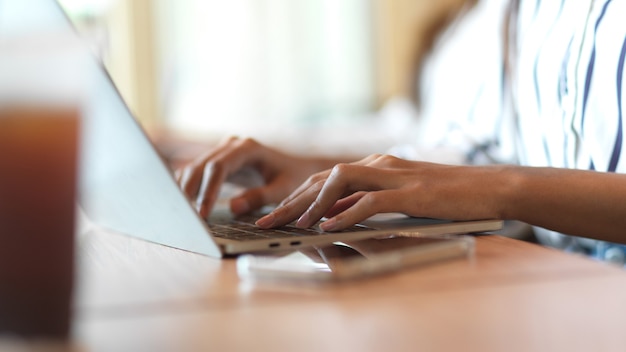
x=253, y=199
x=250, y=200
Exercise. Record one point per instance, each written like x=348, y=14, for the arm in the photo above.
x=584, y=203
x=576, y=202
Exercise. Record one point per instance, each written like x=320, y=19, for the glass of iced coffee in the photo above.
x=40, y=116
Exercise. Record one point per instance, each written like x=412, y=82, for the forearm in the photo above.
x=576, y=202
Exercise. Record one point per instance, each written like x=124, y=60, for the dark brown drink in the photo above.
x=38, y=181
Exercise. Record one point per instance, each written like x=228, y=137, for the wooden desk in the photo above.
x=514, y=296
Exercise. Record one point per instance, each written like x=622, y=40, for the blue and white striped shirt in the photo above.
x=568, y=88
x=568, y=91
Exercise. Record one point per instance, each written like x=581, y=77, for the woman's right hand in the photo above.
x=202, y=178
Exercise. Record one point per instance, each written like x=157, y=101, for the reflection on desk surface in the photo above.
x=355, y=259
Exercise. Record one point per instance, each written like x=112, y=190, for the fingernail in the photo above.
x=266, y=221
x=303, y=220
x=239, y=206
x=329, y=225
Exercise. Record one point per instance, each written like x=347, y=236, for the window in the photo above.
x=241, y=65
x=255, y=67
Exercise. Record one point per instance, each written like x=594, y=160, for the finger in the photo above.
x=320, y=176
x=386, y=201
x=368, y=159
x=292, y=210
x=212, y=178
x=344, y=204
x=250, y=200
x=255, y=198
x=235, y=156
x=344, y=180
x=190, y=176
x=386, y=162
x=324, y=175
x=178, y=174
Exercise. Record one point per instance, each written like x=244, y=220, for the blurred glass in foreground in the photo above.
x=41, y=89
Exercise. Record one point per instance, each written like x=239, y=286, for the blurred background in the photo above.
x=263, y=68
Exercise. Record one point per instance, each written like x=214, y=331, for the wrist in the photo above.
x=512, y=184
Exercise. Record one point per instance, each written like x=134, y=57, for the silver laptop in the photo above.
x=127, y=187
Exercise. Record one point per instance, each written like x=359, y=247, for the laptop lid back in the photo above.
x=125, y=185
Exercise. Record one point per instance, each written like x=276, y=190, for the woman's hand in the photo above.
x=202, y=179
x=350, y=193
x=575, y=202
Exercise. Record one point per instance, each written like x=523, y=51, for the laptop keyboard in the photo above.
x=243, y=228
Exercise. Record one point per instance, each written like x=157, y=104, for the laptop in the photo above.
x=127, y=187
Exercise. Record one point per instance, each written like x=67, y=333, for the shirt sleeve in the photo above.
x=601, y=89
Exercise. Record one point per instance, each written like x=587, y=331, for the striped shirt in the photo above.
x=568, y=92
